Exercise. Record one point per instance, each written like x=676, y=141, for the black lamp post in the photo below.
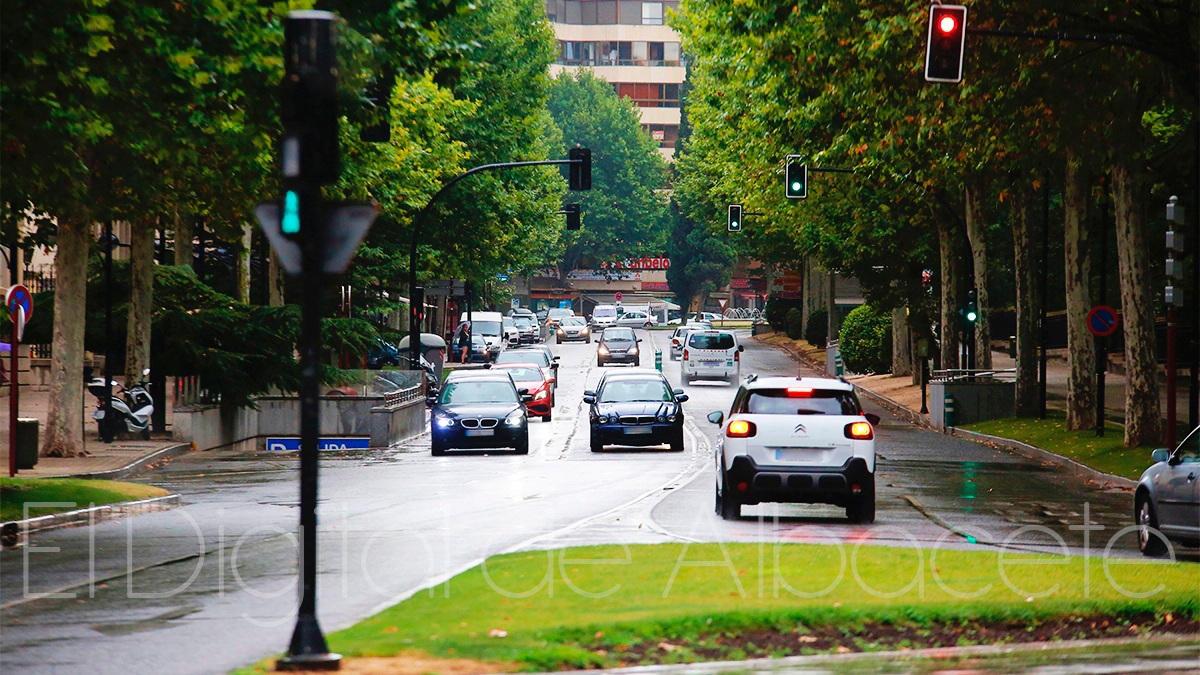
x=110, y=240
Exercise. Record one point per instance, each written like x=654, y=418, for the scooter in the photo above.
x=131, y=408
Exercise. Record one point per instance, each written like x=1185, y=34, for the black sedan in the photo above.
x=618, y=345
x=635, y=408
x=479, y=411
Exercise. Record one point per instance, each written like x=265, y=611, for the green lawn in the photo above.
x=1107, y=454
x=599, y=606
x=78, y=492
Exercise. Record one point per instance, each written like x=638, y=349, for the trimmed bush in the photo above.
x=817, y=329
x=795, y=323
x=865, y=341
x=777, y=309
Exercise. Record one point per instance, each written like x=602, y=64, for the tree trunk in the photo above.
x=1142, y=422
x=977, y=235
x=1028, y=396
x=815, y=288
x=63, y=436
x=242, y=272
x=141, y=300
x=948, y=324
x=275, y=281
x=901, y=352
x=1081, y=345
x=185, y=248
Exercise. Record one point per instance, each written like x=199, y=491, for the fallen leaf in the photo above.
x=667, y=646
x=497, y=633
x=843, y=650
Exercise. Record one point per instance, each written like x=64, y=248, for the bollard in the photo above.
x=658, y=360
x=948, y=408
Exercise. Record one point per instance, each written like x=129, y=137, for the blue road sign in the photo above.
x=292, y=444
x=1102, y=321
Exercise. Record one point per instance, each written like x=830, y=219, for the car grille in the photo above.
x=477, y=423
x=637, y=419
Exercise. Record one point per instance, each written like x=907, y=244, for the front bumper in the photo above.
x=618, y=357
x=752, y=483
x=615, y=433
x=503, y=436
x=541, y=408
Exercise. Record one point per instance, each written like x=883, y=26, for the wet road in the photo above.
x=210, y=586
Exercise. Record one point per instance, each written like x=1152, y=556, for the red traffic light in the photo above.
x=945, y=43
x=947, y=24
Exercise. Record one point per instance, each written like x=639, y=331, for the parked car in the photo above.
x=489, y=325
x=381, y=354
x=678, y=340
x=555, y=315
x=706, y=316
x=527, y=329
x=711, y=354
x=573, y=328
x=1166, y=503
x=603, y=316
x=538, y=354
x=636, y=407
x=531, y=377
x=481, y=351
x=618, y=345
x=479, y=410
x=636, y=319
x=796, y=440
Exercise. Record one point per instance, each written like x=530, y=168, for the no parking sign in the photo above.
x=1102, y=321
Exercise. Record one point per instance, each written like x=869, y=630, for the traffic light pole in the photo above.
x=418, y=226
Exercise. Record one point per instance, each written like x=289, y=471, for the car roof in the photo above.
x=718, y=331
x=785, y=382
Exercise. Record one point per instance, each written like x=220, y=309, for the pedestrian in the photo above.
x=464, y=340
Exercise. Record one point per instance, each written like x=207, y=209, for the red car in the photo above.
x=531, y=376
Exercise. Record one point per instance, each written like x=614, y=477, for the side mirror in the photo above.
x=526, y=398
x=680, y=398
x=1160, y=455
x=741, y=348
x=639, y=339
x=522, y=391
x=556, y=358
x=589, y=399
x=872, y=418
x=677, y=391
x=589, y=392
x=431, y=400
x=716, y=417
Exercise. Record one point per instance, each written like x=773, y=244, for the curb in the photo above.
x=1036, y=453
x=900, y=410
x=137, y=465
x=11, y=531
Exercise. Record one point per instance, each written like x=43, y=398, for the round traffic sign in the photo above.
x=19, y=296
x=618, y=296
x=1102, y=321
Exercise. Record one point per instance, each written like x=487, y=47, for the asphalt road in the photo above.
x=211, y=586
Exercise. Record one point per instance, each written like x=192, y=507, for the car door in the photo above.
x=1178, y=488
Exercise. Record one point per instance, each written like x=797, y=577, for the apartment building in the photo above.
x=628, y=43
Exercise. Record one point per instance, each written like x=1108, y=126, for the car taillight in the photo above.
x=740, y=429
x=860, y=431
x=685, y=355
x=737, y=356
x=799, y=392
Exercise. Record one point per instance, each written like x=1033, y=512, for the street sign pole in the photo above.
x=13, y=408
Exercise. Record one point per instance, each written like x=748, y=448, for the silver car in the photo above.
x=1167, y=501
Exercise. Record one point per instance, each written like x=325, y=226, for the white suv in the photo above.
x=711, y=354
x=798, y=440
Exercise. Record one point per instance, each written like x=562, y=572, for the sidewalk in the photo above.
x=125, y=456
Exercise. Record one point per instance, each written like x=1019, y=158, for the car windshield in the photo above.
x=524, y=374
x=508, y=322
x=605, y=311
x=523, y=322
x=636, y=390
x=711, y=341
x=574, y=321
x=814, y=402
x=618, y=335
x=478, y=392
x=559, y=313
x=523, y=355
x=486, y=327
x=478, y=341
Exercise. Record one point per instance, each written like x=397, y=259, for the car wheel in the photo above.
x=548, y=416
x=437, y=449
x=637, y=363
x=861, y=509
x=729, y=507
x=597, y=446
x=146, y=434
x=1150, y=542
x=677, y=442
x=523, y=445
x=646, y=326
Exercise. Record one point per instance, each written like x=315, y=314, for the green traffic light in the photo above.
x=796, y=185
x=971, y=316
x=291, y=213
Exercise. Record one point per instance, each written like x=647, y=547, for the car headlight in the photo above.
x=445, y=422
x=662, y=418
x=614, y=418
x=603, y=349
x=633, y=350
x=541, y=395
x=515, y=420
x=585, y=331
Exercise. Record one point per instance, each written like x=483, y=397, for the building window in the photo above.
x=652, y=14
x=618, y=53
x=650, y=95
x=664, y=135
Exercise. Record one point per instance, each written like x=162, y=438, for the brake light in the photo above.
x=740, y=429
x=799, y=392
x=685, y=355
x=860, y=431
x=737, y=356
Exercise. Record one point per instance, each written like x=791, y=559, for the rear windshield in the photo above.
x=522, y=355
x=818, y=402
x=711, y=341
x=525, y=374
x=479, y=392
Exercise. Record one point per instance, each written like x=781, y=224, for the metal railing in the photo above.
x=400, y=397
x=966, y=375
x=190, y=391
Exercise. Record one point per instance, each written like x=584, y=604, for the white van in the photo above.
x=490, y=325
x=711, y=354
x=603, y=316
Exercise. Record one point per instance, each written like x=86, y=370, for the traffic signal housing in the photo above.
x=795, y=184
x=735, y=217
x=579, y=173
x=945, y=43
x=573, y=220
x=308, y=101
x=971, y=311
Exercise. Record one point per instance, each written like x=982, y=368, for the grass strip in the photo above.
x=74, y=493
x=608, y=606
x=1107, y=454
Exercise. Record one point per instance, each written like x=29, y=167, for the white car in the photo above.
x=711, y=355
x=796, y=440
x=635, y=320
x=603, y=316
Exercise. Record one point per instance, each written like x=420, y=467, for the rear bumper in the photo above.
x=701, y=372
x=800, y=485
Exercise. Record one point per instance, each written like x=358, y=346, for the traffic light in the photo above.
x=795, y=178
x=573, y=221
x=308, y=101
x=946, y=42
x=735, y=217
x=289, y=222
x=579, y=175
x=971, y=311
x=379, y=130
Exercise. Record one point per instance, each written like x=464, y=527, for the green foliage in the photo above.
x=777, y=309
x=794, y=320
x=817, y=330
x=865, y=341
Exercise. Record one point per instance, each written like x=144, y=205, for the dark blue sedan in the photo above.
x=636, y=407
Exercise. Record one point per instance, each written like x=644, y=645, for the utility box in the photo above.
x=27, y=442
x=977, y=401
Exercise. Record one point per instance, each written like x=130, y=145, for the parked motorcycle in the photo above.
x=131, y=408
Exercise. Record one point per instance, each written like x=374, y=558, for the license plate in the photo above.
x=99, y=414
x=481, y=432
x=800, y=454
x=635, y=431
x=709, y=362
